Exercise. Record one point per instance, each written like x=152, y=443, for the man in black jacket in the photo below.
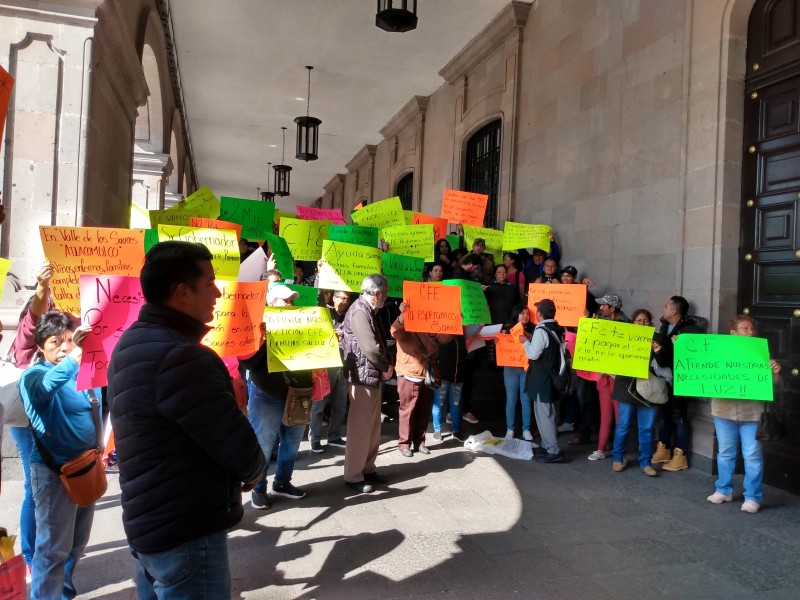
x=674, y=414
x=184, y=447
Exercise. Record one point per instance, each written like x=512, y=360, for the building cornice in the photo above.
x=510, y=21
x=362, y=156
x=83, y=17
x=337, y=181
x=412, y=112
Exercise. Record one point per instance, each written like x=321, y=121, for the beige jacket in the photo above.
x=412, y=348
x=737, y=410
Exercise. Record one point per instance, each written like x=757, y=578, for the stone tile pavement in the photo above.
x=455, y=525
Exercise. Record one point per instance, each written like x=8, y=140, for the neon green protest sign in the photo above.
x=722, y=366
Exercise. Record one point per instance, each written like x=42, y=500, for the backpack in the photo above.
x=565, y=381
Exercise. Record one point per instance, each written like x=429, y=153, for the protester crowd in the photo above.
x=178, y=427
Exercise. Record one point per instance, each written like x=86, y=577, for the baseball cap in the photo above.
x=571, y=270
x=279, y=291
x=610, y=300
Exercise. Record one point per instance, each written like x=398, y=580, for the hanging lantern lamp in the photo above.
x=307, y=130
x=398, y=20
x=267, y=196
x=282, y=172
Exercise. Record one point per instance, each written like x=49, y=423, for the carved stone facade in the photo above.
x=94, y=123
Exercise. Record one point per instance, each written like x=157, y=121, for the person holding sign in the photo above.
x=338, y=394
x=366, y=366
x=63, y=427
x=416, y=399
x=631, y=404
x=267, y=393
x=514, y=377
x=610, y=307
x=675, y=413
x=23, y=350
x=736, y=421
x=543, y=350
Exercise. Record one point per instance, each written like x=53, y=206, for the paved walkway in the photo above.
x=455, y=525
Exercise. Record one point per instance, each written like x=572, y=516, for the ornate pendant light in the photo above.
x=307, y=130
x=267, y=196
x=282, y=172
x=398, y=20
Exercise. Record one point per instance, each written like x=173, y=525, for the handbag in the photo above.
x=12, y=411
x=297, y=410
x=433, y=375
x=653, y=389
x=770, y=427
x=83, y=477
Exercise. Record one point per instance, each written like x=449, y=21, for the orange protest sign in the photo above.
x=205, y=223
x=92, y=251
x=439, y=225
x=517, y=330
x=432, y=307
x=238, y=313
x=6, y=83
x=465, y=208
x=510, y=351
x=570, y=300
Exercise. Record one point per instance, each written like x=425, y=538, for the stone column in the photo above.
x=48, y=52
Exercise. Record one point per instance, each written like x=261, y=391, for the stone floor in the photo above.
x=456, y=525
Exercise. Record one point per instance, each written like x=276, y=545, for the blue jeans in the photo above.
x=514, y=380
x=265, y=412
x=451, y=393
x=62, y=532
x=646, y=417
x=674, y=419
x=195, y=570
x=338, y=401
x=728, y=435
x=23, y=439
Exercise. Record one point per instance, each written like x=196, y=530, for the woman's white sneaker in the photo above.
x=719, y=498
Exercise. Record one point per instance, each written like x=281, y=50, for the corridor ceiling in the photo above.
x=242, y=67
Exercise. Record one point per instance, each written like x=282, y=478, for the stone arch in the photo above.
x=150, y=160
x=173, y=173
x=187, y=186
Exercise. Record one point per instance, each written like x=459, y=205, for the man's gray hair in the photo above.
x=374, y=283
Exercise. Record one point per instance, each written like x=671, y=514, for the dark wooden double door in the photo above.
x=769, y=254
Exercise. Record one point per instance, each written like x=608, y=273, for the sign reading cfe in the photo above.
x=612, y=347
x=432, y=308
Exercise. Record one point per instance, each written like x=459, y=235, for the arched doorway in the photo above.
x=769, y=273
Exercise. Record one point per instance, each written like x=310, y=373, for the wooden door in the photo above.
x=769, y=253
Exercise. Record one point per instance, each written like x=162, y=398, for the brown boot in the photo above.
x=661, y=455
x=677, y=463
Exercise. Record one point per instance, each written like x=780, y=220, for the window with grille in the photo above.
x=405, y=190
x=482, y=168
